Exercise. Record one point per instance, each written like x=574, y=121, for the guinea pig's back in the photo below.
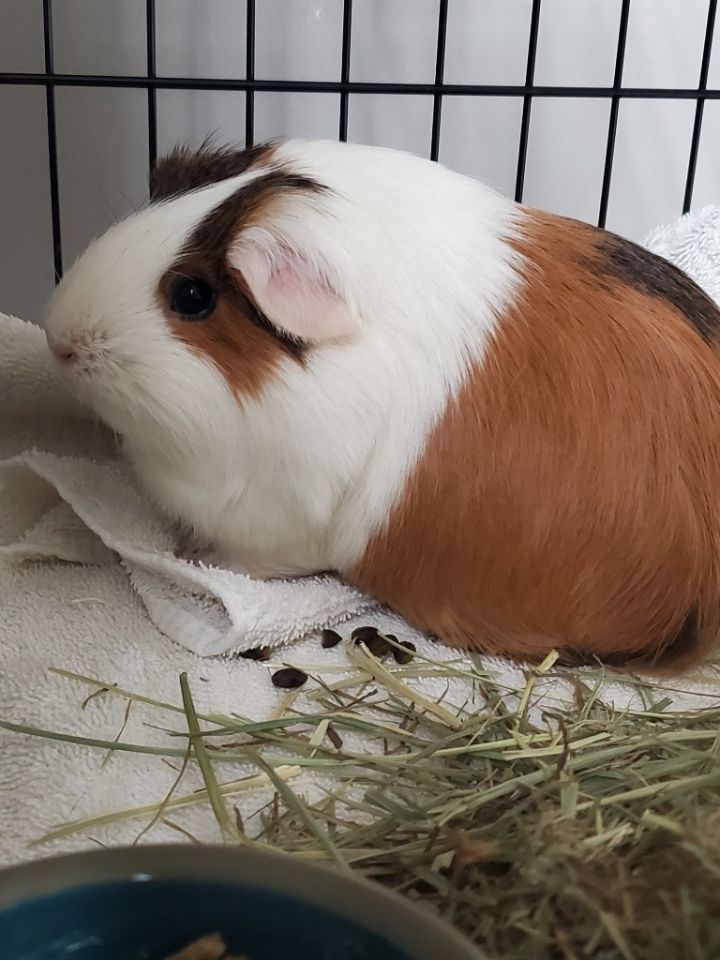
x=570, y=494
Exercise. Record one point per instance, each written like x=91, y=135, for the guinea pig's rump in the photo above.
x=570, y=496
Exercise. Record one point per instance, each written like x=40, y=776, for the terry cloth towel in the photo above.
x=693, y=244
x=88, y=584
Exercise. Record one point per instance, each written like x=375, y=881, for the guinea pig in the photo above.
x=502, y=423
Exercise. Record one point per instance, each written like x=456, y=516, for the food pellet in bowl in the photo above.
x=211, y=947
x=289, y=678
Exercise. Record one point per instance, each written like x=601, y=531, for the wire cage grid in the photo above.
x=50, y=79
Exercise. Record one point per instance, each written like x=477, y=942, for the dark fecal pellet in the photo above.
x=405, y=655
x=373, y=640
x=289, y=678
x=363, y=634
x=258, y=653
x=330, y=638
x=378, y=646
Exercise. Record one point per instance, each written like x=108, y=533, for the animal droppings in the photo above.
x=257, y=653
x=363, y=634
x=289, y=678
x=376, y=643
x=330, y=638
x=406, y=654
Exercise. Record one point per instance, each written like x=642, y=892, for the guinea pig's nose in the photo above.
x=63, y=351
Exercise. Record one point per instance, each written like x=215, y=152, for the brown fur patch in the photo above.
x=570, y=496
x=244, y=345
x=636, y=267
x=185, y=169
x=232, y=337
x=221, y=226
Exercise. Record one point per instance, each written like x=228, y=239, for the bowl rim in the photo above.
x=423, y=935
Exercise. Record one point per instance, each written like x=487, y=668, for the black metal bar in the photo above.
x=150, y=22
x=250, y=73
x=332, y=86
x=52, y=138
x=700, y=106
x=614, y=109
x=439, y=74
x=438, y=89
x=527, y=101
x=345, y=69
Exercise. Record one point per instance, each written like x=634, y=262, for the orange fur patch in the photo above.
x=244, y=353
x=570, y=495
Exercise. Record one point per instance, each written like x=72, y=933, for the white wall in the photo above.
x=102, y=134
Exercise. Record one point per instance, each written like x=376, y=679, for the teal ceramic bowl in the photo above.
x=145, y=903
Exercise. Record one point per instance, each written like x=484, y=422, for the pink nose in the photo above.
x=63, y=352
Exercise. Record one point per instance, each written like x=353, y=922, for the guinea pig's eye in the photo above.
x=192, y=298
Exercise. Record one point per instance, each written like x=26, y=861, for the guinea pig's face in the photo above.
x=193, y=304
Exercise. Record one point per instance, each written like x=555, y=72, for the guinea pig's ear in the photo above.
x=295, y=290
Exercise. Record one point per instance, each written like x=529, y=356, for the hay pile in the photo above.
x=552, y=833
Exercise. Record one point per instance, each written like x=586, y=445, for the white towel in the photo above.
x=693, y=244
x=88, y=584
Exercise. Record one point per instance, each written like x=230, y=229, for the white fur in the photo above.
x=299, y=479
